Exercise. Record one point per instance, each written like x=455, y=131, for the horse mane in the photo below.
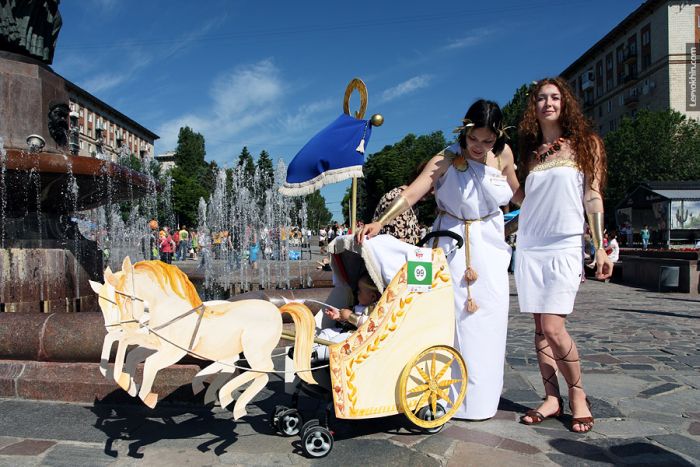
x=170, y=277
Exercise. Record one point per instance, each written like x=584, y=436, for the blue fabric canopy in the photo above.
x=334, y=154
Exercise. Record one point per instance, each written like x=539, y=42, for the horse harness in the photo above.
x=200, y=310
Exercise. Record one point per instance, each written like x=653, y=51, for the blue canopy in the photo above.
x=334, y=154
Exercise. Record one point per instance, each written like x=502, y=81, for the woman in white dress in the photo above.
x=564, y=168
x=472, y=179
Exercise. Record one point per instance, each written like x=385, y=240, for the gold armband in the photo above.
x=394, y=210
x=354, y=319
x=595, y=223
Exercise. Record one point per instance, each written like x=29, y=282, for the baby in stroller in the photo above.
x=348, y=320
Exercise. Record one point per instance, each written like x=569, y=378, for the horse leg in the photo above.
x=226, y=392
x=106, y=348
x=262, y=364
x=154, y=363
x=219, y=381
x=123, y=379
x=198, y=380
x=133, y=358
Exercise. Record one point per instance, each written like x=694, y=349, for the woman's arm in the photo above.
x=593, y=203
x=420, y=187
x=508, y=169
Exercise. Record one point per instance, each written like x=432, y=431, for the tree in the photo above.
x=245, y=160
x=317, y=214
x=266, y=169
x=654, y=146
x=512, y=114
x=191, y=176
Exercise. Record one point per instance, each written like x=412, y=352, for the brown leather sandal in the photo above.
x=585, y=422
x=536, y=416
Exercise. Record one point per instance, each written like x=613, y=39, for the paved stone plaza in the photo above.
x=642, y=374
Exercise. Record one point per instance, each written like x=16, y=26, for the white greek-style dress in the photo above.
x=548, y=265
x=469, y=202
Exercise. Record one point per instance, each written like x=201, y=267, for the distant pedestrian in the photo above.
x=646, y=235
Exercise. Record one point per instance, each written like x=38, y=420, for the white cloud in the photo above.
x=240, y=100
x=307, y=115
x=407, y=87
x=470, y=40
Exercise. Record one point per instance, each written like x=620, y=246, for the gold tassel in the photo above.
x=471, y=274
x=471, y=305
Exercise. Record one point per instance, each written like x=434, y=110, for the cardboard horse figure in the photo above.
x=180, y=323
x=128, y=331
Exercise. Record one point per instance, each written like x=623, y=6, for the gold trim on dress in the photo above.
x=554, y=164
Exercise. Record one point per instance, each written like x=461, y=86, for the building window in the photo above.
x=600, y=111
x=81, y=112
x=631, y=56
x=646, y=47
x=610, y=106
x=609, y=83
x=81, y=145
x=89, y=117
x=599, y=78
x=620, y=63
x=82, y=129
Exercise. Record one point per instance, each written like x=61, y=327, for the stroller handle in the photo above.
x=442, y=233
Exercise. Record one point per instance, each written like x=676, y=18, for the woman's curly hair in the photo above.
x=587, y=147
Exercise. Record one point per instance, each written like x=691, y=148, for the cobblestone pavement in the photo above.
x=642, y=374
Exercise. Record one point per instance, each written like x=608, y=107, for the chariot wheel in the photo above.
x=424, y=387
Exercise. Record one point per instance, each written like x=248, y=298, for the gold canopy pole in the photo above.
x=376, y=120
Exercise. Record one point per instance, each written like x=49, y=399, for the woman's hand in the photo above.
x=604, y=266
x=332, y=313
x=370, y=230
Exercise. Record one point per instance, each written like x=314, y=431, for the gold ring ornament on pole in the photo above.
x=359, y=85
x=424, y=387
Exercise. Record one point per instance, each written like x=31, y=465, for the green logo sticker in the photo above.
x=420, y=270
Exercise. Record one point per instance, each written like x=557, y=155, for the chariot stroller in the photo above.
x=400, y=360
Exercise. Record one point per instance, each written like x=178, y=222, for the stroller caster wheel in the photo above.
x=317, y=442
x=274, y=419
x=305, y=427
x=427, y=414
x=288, y=422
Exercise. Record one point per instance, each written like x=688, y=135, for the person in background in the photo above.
x=646, y=235
x=176, y=239
x=183, y=247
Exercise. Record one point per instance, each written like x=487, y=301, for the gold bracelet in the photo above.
x=394, y=210
x=353, y=319
x=595, y=223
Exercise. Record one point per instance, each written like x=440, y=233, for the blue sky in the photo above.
x=269, y=75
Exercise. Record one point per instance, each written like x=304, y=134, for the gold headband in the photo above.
x=466, y=123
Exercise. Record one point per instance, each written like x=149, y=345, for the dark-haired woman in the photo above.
x=564, y=170
x=472, y=179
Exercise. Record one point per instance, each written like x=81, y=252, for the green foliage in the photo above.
x=245, y=160
x=512, y=114
x=393, y=166
x=266, y=170
x=317, y=214
x=192, y=176
x=654, y=146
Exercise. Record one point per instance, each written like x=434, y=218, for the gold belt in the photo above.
x=470, y=274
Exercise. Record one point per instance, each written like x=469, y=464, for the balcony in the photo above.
x=630, y=78
x=631, y=100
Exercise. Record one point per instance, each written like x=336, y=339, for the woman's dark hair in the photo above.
x=485, y=114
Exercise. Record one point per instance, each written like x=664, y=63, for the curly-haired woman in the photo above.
x=564, y=167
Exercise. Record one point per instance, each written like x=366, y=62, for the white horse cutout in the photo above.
x=179, y=323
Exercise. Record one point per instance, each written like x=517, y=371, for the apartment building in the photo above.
x=99, y=130
x=646, y=62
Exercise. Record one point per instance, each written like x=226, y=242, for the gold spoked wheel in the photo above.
x=425, y=382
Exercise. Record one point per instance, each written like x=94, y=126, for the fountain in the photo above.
x=60, y=221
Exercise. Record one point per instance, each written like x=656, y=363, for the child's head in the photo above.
x=367, y=292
